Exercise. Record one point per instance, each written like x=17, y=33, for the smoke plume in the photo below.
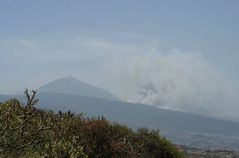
x=179, y=81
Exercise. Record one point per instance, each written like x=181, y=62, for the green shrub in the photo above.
x=29, y=132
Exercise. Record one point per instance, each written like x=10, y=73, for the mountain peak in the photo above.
x=69, y=78
x=73, y=86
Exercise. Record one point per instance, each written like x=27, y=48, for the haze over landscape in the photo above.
x=179, y=55
x=176, y=62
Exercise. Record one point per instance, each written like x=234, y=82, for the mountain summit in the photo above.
x=73, y=86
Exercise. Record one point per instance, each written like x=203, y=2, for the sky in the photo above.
x=173, y=54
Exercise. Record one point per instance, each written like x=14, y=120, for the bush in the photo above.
x=29, y=132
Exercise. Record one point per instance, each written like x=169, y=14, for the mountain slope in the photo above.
x=70, y=85
x=182, y=128
x=138, y=115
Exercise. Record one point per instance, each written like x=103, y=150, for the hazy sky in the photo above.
x=173, y=48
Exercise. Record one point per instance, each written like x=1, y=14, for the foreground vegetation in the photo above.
x=26, y=131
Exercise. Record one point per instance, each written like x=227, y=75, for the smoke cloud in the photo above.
x=176, y=80
x=130, y=66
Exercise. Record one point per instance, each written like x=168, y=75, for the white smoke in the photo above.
x=129, y=66
x=180, y=81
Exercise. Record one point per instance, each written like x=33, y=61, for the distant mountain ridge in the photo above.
x=71, y=85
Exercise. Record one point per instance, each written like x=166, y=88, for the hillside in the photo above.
x=181, y=128
x=71, y=85
x=26, y=131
